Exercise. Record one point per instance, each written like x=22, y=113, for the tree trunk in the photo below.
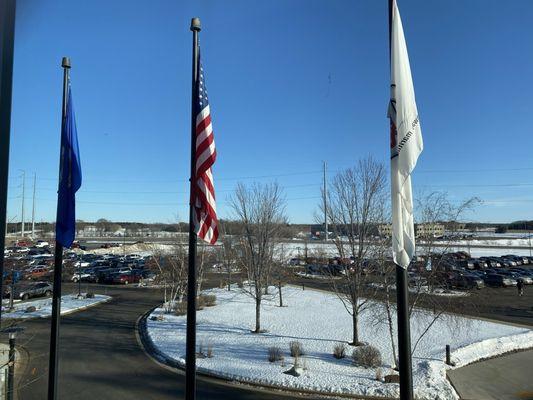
x=280, y=296
x=355, y=329
x=257, y=315
x=229, y=279
x=391, y=333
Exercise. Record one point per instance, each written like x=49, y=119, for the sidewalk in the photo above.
x=501, y=378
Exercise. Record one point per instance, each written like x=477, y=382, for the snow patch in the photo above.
x=319, y=321
x=43, y=307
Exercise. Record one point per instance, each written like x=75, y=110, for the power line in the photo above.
x=480, y=185
x=158, y=204
x=168, y=192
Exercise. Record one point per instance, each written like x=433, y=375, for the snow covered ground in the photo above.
x=319, y=321
x=69, y=304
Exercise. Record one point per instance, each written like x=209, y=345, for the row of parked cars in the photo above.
x=462, y=271
x=108, y=268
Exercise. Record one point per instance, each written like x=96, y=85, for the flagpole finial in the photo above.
x=65, y=63
x=195, y=24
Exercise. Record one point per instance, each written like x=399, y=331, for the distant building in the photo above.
x=429, y=230
x=421, y=230
x=385, y=230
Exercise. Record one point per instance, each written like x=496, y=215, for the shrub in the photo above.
x=274, y=354
x=209, y=352
x=394, y=378
x=339, y=351
x=89, y=295
x=296, y=348
x=207, y=300
x=366, y=356
x=379, y=375
x=180, y=308
x=31, y=309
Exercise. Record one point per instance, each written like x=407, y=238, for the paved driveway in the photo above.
x=504, y=378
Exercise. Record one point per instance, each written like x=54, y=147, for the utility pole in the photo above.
x=325, y=203
x=23, y=194
x=33, y=208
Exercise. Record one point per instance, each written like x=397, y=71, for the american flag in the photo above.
x=204, y=212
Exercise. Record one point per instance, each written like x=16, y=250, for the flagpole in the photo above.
x=402, y=304
x=58, y=267
x=7, y=23
x=190, y=364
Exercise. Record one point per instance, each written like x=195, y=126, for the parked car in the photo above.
x=103, y=275
x=84, y=276
x=467, y=264
x=37, y=273
x=491, y=262
x=42, y=243
x=526, y=280
x=467, y=281
x=498, y=280
x=479, y=263
x=512, y=260
x=126, y=278
x=37, y=289
x=81, y=263
x=523, y=271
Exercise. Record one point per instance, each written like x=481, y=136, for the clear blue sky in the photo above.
x=291, y=83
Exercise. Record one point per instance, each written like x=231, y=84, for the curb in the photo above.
x=158, y=356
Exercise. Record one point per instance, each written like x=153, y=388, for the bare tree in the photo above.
x=280, y=273
x=356, y=206
x=172, y=276
x=260, y=209
x=228, y=255
x=433, y=209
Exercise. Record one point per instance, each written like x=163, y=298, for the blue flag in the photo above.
x=69, y=178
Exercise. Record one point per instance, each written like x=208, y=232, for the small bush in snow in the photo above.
x=379, y=375
x=366, y=356
x=339, y=351
x=296, y=348
x=274, y=354
x=31, y=309
x=207, y=300
x=180, y=308
x=89, y=296
x=209, y=351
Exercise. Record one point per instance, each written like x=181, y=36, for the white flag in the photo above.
x=406, y=143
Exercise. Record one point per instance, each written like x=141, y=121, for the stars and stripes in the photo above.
x=205, y=215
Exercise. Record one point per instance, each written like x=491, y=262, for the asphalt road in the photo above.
x=100, y=357
x=502, y=378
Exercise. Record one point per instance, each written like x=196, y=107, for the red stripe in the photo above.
x=208, y=163
x=206, y=215
x=206, y=207
x=202, y=125
x=204, y=145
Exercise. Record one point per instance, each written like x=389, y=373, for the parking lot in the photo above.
x=29, y=269
x=484, y=287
